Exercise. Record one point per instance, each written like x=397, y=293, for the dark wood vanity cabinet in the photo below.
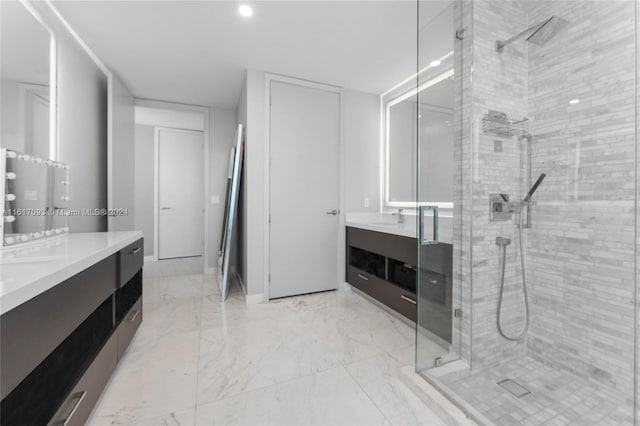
x=59, y=349
x=385, y=267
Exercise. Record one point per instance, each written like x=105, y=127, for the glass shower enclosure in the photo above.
x=528, y=274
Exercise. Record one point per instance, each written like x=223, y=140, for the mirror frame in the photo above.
x=386, y=110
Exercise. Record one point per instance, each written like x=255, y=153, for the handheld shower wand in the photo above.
x=504, y=242
x=533, y=188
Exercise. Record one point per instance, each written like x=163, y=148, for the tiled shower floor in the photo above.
x=556, y=397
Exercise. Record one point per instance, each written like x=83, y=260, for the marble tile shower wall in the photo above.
x=581, y=248
x=580, y=251
x=499, y=83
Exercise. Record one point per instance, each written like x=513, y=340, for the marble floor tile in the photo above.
x=155, y=380
x=167, y=320
x=256, y=354
x=326, y=358
x=379, y=377
x=166, y=290
x=174, y=418
x=330, y=397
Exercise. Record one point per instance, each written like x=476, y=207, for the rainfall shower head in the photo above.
x=538, y=34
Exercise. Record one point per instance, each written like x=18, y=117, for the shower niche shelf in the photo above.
x=384, y=267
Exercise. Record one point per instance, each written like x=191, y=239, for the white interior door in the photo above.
x=180, y=193
x=304, y=190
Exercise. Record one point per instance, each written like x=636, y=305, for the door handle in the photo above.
x=133, y=316
x=408, y=299
x=78, y=397
x=166, y=208
x=423, y=240
x=333, y=212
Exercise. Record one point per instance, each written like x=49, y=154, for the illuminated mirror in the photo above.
x=26, y=95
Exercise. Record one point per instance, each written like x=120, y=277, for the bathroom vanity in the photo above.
x=382, y=262
x=69, y=308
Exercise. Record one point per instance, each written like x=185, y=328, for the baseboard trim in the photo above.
x=150, y=259
x=242, y=286
x=254, y=299
x=249, y=299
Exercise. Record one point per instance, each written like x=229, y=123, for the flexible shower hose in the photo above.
x=524, y=286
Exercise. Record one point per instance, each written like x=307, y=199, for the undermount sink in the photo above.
x=387, y=223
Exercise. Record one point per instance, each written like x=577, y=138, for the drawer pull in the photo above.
x=79, y=397
x=134, y=315
x=363, y=277
x=136, y=250
x=408, y=299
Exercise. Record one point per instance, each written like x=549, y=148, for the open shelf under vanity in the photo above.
x=385, y=267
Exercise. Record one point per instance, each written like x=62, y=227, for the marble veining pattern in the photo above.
x=327, y=358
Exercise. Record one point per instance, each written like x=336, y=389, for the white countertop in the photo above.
x=385, y=222
x=27, y=271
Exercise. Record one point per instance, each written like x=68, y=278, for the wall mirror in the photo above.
x=418, y=124
x=424, y=113
x=26, y=94
x=230, y=211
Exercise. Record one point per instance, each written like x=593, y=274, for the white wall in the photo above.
x=122, y=164
x=174, y=118
x=82, y=132
x=360, y=136
x=360, y=139
x=253, y=199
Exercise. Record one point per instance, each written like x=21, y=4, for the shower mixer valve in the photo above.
x=500, y=208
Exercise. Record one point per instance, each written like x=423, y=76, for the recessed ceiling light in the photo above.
x=434, y=63
x=574, y=101
x=245, y=10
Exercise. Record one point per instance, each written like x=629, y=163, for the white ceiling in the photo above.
x=197, y=52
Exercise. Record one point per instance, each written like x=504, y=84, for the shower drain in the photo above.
x=514, y=387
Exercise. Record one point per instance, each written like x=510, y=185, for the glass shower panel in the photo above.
x=547, y=273
x=438, y=307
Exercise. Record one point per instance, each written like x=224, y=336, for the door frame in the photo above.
x=156, y=188
x=341, y=240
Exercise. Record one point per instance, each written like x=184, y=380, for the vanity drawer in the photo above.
x=128, y=327
x=49, y=319
x=131, y=259
x=77, y=407
x=396, y=298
